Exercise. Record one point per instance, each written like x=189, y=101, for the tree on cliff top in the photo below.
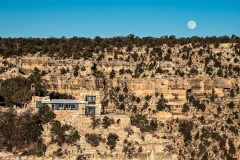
x=16, y=91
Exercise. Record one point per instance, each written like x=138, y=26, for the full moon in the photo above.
x=191, y=24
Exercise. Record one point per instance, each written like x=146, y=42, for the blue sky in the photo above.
x=108, y=18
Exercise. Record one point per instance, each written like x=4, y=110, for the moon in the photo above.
x=192, y=25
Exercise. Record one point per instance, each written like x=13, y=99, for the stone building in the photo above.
x=88, y=104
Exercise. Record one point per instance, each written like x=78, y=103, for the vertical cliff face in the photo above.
x=185, y=90
x=143, y=70
x=141, y=74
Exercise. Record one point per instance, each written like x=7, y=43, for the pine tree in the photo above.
x=185, y=108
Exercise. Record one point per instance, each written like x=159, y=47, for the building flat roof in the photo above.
x=69, y=101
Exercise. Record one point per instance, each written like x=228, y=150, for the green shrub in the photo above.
x=112, y=74
x=106, y=122
x=93, y=139
x=75, y=72
x=185, y=108
x=112, y=140
x=63, y=133
x=63, y=71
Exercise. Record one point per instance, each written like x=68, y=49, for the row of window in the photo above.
x=64, y=107
x=91, y=99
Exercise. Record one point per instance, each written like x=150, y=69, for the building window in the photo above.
x=74, y=107
x=60, y=106
x=90, y=110
x=91, y=99
x=68, y=106
x=54, y=107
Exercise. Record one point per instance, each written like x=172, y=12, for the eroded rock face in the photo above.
x=70, y=84
x=176, y=88
x=94, y=76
